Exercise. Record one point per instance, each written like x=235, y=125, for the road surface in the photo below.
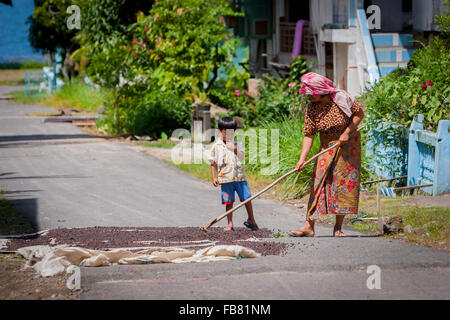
x=58, y=176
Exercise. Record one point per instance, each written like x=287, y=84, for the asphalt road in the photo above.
x=60, y=177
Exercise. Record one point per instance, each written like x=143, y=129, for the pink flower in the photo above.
x=290, y=85
x=424, y=86
x=429, y=128
x=236, y=93
x=294, y=84
x=284, y=92
x=429, y=83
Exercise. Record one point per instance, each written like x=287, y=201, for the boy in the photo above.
x=225, y=157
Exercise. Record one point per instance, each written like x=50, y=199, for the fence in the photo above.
x=429, y=156
x=35, y=83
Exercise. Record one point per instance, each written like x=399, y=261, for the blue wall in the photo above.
x=14, y=44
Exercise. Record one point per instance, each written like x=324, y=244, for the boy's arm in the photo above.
x=213, y=161
x=215, y=182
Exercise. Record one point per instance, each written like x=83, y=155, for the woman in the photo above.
x=335, y=114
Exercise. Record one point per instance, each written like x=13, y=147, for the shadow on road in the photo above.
x=6, y=173
x=57, y=176
x=34, y=137
x=13, y=192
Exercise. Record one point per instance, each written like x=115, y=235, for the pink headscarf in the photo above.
x=313, y=83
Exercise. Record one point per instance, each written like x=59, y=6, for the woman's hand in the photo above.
x=300, y=165
x=343, y=139
x=306, y=147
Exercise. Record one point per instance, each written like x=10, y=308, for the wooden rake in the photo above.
x=218, y=218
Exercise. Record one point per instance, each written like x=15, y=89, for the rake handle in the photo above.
x=218, y=218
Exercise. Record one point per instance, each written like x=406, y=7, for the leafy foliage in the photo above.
x=299, y=67
x=105, y=19
x=393, y=102
x=443, y=21
x=162, y=63
x=179, y=42
x=276, y=98
x=48, y=28
x=422, y=88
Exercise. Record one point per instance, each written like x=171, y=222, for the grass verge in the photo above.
x=13, y=77
x=74, y=95
x=430, y=225
x=12, y=221
x=22, y=65
x=167, y=144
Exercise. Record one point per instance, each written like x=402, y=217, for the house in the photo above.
x=352, y=42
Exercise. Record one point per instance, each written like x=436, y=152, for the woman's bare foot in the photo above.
x=306, y=231
x=301, y=233
x=337, y=232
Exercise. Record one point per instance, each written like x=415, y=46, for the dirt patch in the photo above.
x=12, y=77
x=17, y=283
x=126, y=237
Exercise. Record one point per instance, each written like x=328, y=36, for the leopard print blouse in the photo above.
x=328, y=119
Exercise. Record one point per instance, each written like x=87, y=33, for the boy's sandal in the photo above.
x=250, y=226
x=301, y=234
x=228, y=228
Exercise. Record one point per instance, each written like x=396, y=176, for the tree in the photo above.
x=105, y=19
x=48, y=28
x=182, y=41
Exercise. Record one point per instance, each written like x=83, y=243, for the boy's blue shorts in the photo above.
x=228, y=189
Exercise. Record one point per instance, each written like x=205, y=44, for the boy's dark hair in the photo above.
x=227, y=123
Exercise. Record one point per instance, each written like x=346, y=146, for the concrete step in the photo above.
x=392, y=39
x=393, y=55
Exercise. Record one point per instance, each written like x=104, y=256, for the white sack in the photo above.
x=55, y=260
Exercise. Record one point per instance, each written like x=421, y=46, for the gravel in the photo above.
x=134, y=238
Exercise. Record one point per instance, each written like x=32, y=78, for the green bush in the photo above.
x=423, y=87
x=443, y=21
x=147, y=113
x=396, y=99
x=299, y=66
x=162, y=64
x=277, y=98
